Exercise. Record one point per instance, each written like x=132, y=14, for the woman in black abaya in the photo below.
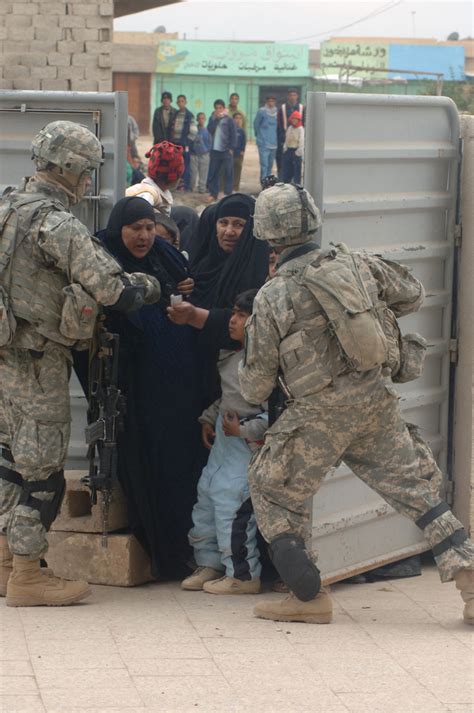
x=160, y=452
x=225, y=260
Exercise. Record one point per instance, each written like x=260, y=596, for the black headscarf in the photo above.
x=220, y=276
x=187, y=221
x=163, y=261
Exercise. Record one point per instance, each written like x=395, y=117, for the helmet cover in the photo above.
x=286, y=214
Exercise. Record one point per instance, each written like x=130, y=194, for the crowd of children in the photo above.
x=214, y=147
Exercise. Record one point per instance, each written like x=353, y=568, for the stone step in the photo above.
x=76, y=555
x=77, y=513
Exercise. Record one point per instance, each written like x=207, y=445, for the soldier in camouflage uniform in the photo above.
x=342, y=406
x=53, y=277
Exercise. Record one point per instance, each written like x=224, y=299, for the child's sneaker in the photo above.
x=229, y=585
x=195, y=582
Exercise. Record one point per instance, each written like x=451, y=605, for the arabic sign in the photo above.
x=375, y=56
x=234, y=59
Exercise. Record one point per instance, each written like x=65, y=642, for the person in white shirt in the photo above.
x=293, y=149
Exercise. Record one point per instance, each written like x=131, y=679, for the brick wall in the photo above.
x=59, y=45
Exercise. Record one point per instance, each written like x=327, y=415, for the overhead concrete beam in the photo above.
x=130, y=7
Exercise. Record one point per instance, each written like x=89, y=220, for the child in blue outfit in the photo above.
x=224, y=536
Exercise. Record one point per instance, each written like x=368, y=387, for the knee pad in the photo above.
x=48, y=509
x=290, y=557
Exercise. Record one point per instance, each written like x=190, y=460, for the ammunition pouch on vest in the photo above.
x=406, y=354
x=31, y=290
x=348, y=295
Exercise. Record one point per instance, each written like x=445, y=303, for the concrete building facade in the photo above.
x=59, y=45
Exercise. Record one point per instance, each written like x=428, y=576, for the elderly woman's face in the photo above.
x=229, y=230
x=138, y=237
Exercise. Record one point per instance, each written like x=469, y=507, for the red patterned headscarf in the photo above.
x=166, y=162
x=296, y=115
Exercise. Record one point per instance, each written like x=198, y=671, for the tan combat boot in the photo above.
x=465, y=583
x=6, y=564
x=316, y=611
x=197, y=579
x=29, y=587
x=229, y=585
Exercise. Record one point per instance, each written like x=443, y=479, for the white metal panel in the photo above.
x=22, y=115
x=384, y=170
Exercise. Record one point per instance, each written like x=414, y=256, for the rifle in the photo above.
x=278, y=400
x=105, y=419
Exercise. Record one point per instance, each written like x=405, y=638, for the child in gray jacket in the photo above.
x=224, y=536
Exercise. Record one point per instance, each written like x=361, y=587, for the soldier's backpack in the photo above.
x=14, y=226
x=351, y=305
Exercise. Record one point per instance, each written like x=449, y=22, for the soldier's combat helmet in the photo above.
x=70, y=146
x=285, y=214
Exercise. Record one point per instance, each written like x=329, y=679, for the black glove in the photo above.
x=131, y=299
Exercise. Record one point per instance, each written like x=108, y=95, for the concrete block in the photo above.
x=44, y=72
x=33, y=59
x=29, y=84
x=56, y=59
x=3, y=33
x=48, y=34
x=83, y=9
x=45, y=21
x=73, y=73
x=106, y=9
x=84, y=35
x=124, y=563
x=105, y=35
x=27, y=8
x=18, y=20
x=70, y=21
x=16, y=72
x=55, y=85
x=45, y=46
x=84, y=60
x=6, y=83
x=99, y=47
x=53, y=8
x=21, y=34
x=70, y=47
x=84, y=85
x=105, y=60
x=105, y=85
x=11, y=59
x=77, y=512
x=99, y=22
x=99, y=75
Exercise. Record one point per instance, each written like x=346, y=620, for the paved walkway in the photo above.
x=398, y=646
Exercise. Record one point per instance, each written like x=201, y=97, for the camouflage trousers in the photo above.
x=372, y=438
x=34, y=437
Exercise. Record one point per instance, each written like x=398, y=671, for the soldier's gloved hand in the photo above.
x=131, y=298
x=152, y=287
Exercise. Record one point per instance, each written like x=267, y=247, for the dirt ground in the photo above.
x=250, y=182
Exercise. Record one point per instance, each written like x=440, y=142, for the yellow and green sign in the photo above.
x=336, y=57
x=232, y=59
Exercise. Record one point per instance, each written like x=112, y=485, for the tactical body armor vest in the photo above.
x=30, y=290
x=337, y=324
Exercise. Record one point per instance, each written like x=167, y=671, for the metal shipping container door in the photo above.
x=384, y=169
x=22, y=115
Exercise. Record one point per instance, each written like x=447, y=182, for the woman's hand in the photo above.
x=185, y=287
x=208, y=434
x=186, y=313
x=231, y=424
x=181, y=313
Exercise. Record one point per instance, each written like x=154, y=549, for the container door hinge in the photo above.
x=458, y=235
x=453, y=351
